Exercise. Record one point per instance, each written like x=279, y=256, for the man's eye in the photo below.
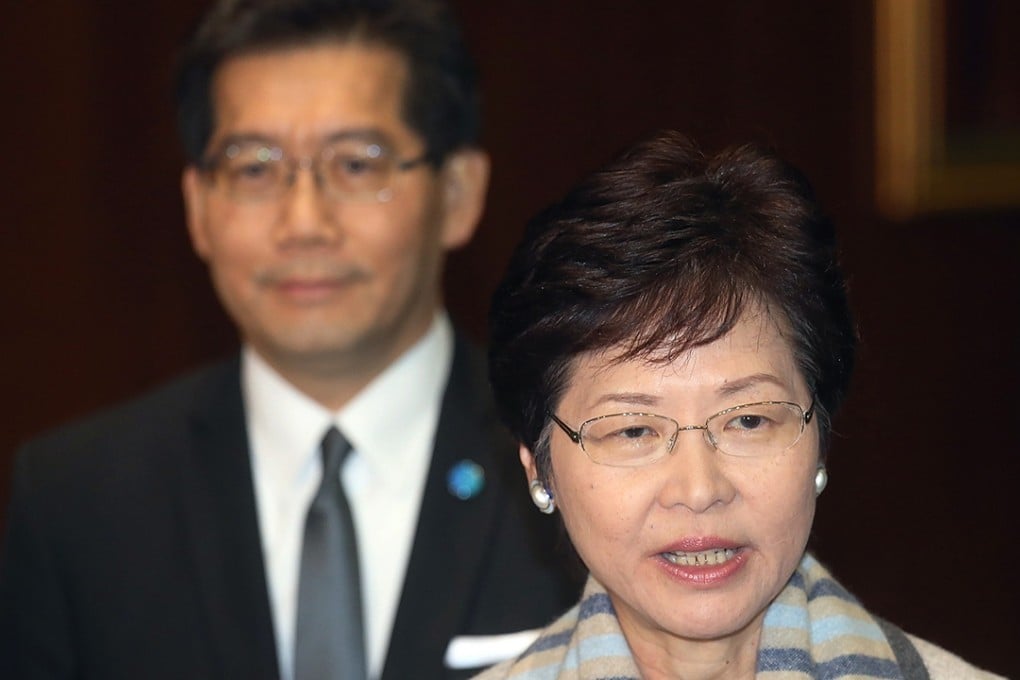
x=254, y=170
x=357, y=165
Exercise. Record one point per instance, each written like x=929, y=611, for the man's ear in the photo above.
x=194, y=191
x=465, y=181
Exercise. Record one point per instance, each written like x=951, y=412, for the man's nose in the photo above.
x=307, y=212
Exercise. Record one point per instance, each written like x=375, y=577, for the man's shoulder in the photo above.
x=139, y=424
x=468, y=418
x=469, y=363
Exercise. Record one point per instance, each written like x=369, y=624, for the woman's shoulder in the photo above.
x=497, y=672
x=944, y=665
x=588, y=635
x=543, y=656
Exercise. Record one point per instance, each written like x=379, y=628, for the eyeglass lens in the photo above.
x=348, y=169
x=760, y=429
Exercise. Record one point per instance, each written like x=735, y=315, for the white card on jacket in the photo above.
x=477, y=651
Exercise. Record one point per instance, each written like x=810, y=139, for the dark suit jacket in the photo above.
x=133, y=548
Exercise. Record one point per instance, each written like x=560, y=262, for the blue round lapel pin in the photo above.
x=465, y=480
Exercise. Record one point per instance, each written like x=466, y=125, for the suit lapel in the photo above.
x=449, y=540
x=217, y=503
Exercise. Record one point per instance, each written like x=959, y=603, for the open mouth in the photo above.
x=704, y=558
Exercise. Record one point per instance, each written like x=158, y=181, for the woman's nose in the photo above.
x=693, y=476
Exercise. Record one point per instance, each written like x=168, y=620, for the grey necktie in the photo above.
x=329, y=642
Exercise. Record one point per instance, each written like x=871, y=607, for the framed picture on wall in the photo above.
x=947, y=106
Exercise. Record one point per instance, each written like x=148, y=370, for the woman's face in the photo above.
x=643, y=530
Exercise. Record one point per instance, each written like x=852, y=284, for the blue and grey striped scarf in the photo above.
x=813, y=629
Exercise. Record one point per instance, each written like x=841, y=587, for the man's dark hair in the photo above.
x=441, y=96
x=659, y=252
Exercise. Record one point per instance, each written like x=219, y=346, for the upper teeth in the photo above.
x=706, y=557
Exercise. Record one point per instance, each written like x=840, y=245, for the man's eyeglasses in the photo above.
x=346, y=169
x=761, y=429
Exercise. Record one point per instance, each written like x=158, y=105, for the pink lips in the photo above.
x=703, y=575
x=692, y=544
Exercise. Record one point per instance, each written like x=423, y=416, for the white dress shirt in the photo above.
x=391, y=426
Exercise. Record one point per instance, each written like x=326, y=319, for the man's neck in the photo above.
x=333, y=379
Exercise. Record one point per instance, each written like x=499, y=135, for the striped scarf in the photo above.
x=813, y=629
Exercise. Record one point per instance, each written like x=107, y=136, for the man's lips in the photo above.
x=309, y=277
x=298, y=285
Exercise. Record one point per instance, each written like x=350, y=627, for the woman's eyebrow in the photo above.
x=633, y=398
x=731, y=387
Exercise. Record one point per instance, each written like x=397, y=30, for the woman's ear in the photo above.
x=539, y=489
x=528, y=463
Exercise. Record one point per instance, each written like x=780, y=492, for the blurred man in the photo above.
x=193, y=533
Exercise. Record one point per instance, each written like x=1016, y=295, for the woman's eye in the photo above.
x=636, y=432
x=748, y=421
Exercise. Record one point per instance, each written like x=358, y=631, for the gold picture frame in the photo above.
x=915, y=174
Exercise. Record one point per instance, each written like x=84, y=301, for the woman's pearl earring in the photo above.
x=821, y=479
x=541, y=497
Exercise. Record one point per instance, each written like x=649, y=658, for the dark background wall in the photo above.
x=104, y=298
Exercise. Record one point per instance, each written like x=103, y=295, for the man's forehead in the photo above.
x=311, y=93
x=365, y=136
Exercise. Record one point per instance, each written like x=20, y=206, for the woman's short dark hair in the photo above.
x=441, y=98
x=661, y=251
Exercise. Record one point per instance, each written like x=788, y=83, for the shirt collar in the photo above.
x=392, y=421
x=377, y=421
